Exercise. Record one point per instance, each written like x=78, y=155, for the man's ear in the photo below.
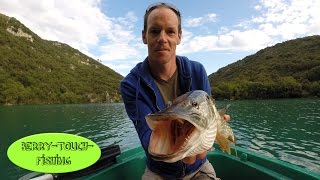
x=179, y=36
x=144, y=39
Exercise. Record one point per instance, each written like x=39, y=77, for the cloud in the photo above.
x=122, y=67
x=199, y=21
x=77, y=23
x=276, y=21
x=80, y=24
x=288, y=19
x=113, y=40
x=117, y=51
x=234, y=40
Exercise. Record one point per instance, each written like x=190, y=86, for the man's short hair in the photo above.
x=157, y=5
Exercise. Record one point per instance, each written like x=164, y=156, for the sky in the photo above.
x=214, y=33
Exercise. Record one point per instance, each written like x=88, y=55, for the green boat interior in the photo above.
x=130, y=164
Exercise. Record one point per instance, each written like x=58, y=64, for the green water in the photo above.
x=286, y=129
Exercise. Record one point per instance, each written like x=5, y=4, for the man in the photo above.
x=160, y=78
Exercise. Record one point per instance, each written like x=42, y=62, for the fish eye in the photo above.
x=194, y=104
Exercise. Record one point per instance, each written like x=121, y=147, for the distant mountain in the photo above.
x=37, y=71
x=285, y=70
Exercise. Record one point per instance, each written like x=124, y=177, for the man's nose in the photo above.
x=162, y=37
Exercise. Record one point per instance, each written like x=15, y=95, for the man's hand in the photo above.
x=192, y=159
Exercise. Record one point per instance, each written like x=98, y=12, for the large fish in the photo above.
x=189, y=126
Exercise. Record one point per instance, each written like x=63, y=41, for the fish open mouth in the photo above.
x=169, y=136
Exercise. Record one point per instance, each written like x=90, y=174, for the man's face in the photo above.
x=162, y=35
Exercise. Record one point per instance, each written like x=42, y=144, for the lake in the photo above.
x=287, y=129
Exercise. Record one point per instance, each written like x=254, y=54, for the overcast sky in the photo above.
x=215, y=33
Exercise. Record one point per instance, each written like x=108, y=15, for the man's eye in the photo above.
x=154, y=31
x=171, y=32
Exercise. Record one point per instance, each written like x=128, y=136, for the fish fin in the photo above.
x=228, y=149
x=223, y=111
x=233, y=140
x=224, y=143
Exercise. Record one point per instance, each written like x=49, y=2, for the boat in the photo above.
x=240, y=164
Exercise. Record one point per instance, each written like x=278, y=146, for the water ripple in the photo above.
x=283, y=129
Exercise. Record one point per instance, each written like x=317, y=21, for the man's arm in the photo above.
x=136, y=110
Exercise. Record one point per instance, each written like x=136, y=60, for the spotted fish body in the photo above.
x=188, y=127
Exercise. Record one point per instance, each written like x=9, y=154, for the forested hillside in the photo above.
x=286, y=70
x=37, y=71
